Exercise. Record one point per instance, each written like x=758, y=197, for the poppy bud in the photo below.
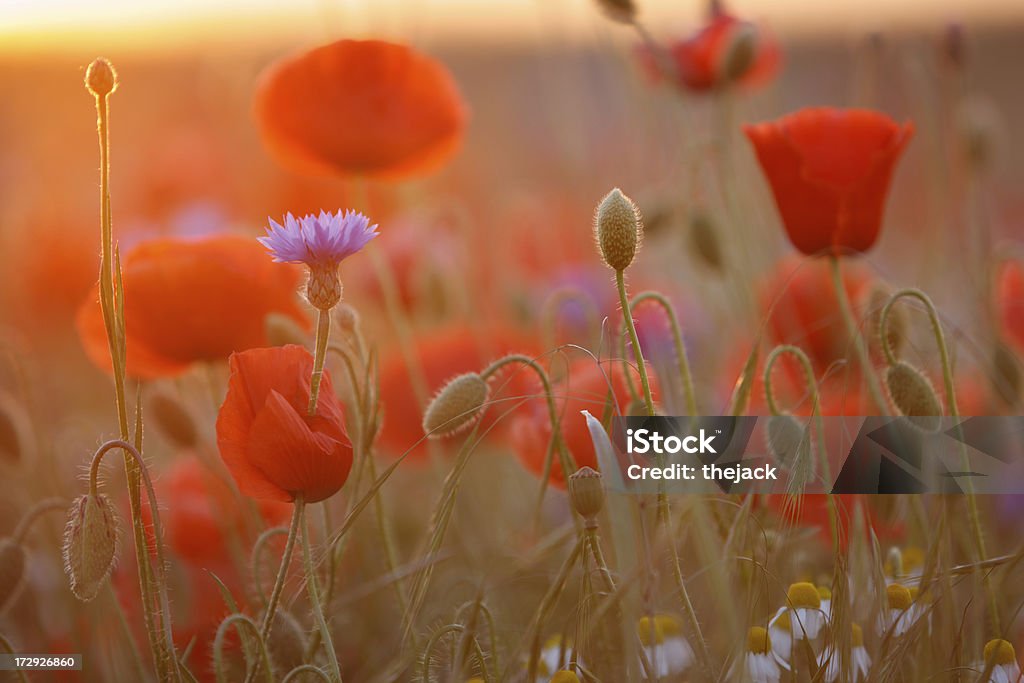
x=739, y=53
x=173, y=419
x=457, y=406
x=90, y=544
x=1006, y=379
x=913, y=396
x=623, y=11
x=703, y=241
x=100, y=77
x=586, y=491
x=618, y=226
x=282, y=330
x=12, y=570
x=323, y=290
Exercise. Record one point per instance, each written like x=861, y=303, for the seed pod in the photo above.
x=173, y=419
x=282, y=331
x=12, y=571
x=586, y=491
x=617, y=225
x=913, y=396
x=1006, y=379
x=90, y=544
x=457, y=406
x=623, y=11
x=703, y=241
x=100, y=77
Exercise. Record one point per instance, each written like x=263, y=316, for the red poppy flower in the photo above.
x=829, y=170
x=192, y=300
x=700, y=62
x=800, y=306
x=444, y=353
x=360, y=107
x=272, y=448
x=586, y=387
x=1010, y=301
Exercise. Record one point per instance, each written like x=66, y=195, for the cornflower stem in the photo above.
x=173, y=672
x=323, y=334
x=861, y=349
x=954, y=412
x=685, y=377
x=282, y=575
x=314, y=593
x=620, y=283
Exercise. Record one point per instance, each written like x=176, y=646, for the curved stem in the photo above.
x=620, y=284
x=256, y=558
x=218, y=648
x=863, y=359
x=677, y=338
x=305, y=668
x=323, y=333
x=34, y=513
x=314, y=594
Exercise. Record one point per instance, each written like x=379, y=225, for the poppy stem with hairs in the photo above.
x=846, y=310
x=323, y=334
x=627, y=317
x=314, y=594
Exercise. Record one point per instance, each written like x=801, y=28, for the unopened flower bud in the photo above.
x=739, y=52
x=323, y=290
x=456, y=406
x=90, y=544
x=12, y=571
x=913, y=396
x=173, y=419
x=618, y=226
x=100, y=77
x=703, y=241
x=287, y=642
x=586, y=491
x=785, y=436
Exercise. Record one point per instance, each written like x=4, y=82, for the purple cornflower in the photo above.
x=318, y=241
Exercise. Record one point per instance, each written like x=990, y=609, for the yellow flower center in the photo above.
x=1000, y=652
x=898, y=597
x=669, y=625
x=804, y=595
x=565, y=676
x=644, y=630
x=783, y=623
x=758, y=641
x=857, y=635
x=824, y=592
x=913, y=558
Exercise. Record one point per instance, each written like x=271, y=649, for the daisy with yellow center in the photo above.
x=1001, y=655
x=554, y=657
x=825, y=593
x=668, y=652
x=760, y=663
x=804, y=606
x=897, y=615
x=780, y=633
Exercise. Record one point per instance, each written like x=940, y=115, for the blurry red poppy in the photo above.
x=444, y=353
x=701, y=62
x=588, y=386
x=1010, y=302
x=360, y=107
x=272, y=448
x=192, y=300
x=829, y=170
x=800, y=306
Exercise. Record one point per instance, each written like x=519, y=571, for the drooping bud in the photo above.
x=617, y=226
x=586, y=491
x=981, y=129
x=90, y=544
x=173, y=419
x=323, y=289
x=739, y=52
x=100, y=77
x=1006, y=376
x=703, y=241
x=282, y=330
x=457, y=406
x=623, y=11
x=913, y=396
x=12, y=571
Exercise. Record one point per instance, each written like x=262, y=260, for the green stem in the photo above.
x=218, y=648
x=620, y=283
x=323, y=333
x=314, y=594
x=864, y=360
x=677, y=338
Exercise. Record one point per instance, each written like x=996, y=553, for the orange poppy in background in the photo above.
x=271, y=446
x=192, y=300
x=443, y=353
x=829, y=170
x=587, y=386
x=360, y=107
x=1010, y=302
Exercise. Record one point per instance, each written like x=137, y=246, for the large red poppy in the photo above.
x=360, y=107
x=272, y=448
x=192, y=300
x=829, y=170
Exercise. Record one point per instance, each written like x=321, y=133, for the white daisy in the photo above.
x=666, y=649
x=1006, y=668
x=804, y=603
x=860, y=660
x=897, y=615
x=760, y=663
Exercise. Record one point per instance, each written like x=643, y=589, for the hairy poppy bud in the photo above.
x=173, y=419
x=90, y=544
x=12, y=570
x=586, y=491
x=100, y=77
x=457, y=406
x=618, y=226
x=913, y=396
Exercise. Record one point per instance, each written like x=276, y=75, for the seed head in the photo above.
x=803, y=595
x=173, y=419
x=758, y=641
x=100, y=77
x=1000, y=652
x=913, y=396
x=586, y=491
x=12, y=570
x=90, y=544
x=898, y=597
x=457, y=406
x=617, y=225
